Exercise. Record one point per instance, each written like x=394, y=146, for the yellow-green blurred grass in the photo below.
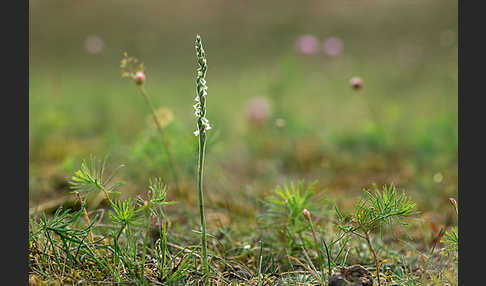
x=330, y=133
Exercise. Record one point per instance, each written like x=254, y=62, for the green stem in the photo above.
x=321, y=259
x=260, y=260
x=163, y=248
x=164, y=139
x=120, y=232
x=144, y=251
x=368, y=240
x=204, y=255
x=86, y=216
x=328, y=258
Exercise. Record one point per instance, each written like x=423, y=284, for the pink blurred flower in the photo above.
x=258, y=109
x=93, y=45
x=333, y=46
x=307, y=44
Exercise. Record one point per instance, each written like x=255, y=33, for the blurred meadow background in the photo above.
x=279, y=99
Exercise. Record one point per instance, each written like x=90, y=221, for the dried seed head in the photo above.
x=132, y=68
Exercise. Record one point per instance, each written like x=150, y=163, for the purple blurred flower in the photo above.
x=333, y=46
x=258, y=109
x=307, y=44
x=93, y=45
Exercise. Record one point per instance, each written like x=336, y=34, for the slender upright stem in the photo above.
x=314, y=235
x=321, y=262
x=200, y=175
x=164, y=139
x=328, y=259
x=102, y=188
x=202, y=126
x=368, y=240
x=120, y=232
x=260, y=260
x=144, y=248
x=88, y=221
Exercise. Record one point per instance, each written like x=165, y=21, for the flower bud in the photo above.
x=453, y=201
x=306, y=213
x=454, y=204
x=139, y=78
x=356, y=83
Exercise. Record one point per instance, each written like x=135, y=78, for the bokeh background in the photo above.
x=279, y=97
